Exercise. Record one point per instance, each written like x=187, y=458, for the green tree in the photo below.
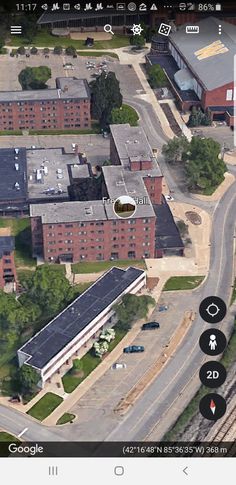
x=34, y=77
x=204, y=168
x=29, y=28
x=133, y=307
x=46, y=50
x=49, y=289
x=124, y=114
x=58, y=50
x=77, y=366
x=70, y=50
x=106, y=96
x=157, y=77
x=34, y=50
x=28, y=378
x=21, y=50
x=174, y=149
x=197, y=117
x=137, y=41
x=2, y=43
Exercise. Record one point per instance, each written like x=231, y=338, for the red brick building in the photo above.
x=68, y=231
x=65, y=107
x=200, y=67
x=7, y=262
x=90, y=230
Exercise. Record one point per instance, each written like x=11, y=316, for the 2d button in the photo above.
x=212, y=309
x=212, y=374
x=212, y=342
x=212, y=406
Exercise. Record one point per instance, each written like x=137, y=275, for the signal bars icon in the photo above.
x=16, y=29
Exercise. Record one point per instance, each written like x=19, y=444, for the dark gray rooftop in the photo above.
x=12, y=175
x=75, y=211
x=69, y=323
x=216, y=70
x=67, y=88
x=7, y=243
x=167, y=234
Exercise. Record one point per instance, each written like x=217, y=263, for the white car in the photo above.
x=169, y=197
x=118, y=365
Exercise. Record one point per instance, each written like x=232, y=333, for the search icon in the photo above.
x=108, y=29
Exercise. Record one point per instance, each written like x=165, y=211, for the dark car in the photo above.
x=150, y=326
x=133, y=348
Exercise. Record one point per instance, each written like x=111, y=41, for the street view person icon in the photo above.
x=213, y=342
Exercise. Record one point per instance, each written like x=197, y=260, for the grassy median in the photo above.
x=98, y=266
x=66, y=418
x=183, y=283
x=45, y=406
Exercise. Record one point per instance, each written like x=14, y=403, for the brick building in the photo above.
x=64, y=107
x=86, y=228
x=7, y=263
x=200, y=68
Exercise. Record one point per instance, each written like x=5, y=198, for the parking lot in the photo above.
x=105, y=394
x=12, y=66
x=96, y=148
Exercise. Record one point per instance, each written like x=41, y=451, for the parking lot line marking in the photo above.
x=22, y=432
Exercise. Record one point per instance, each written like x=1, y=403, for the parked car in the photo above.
x=118, y=365
x=163, y=308
x=133, y=348
x=150, y=326
x=169, y=197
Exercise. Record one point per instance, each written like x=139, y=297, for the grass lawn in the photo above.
x=44, y=38
x=10, y=132
x=90, y=131
x=8, y=437
x=97, y=54
x=20, y=228
x=89, y=363
x=83, y=286
x=97, y=266
x=183, y=283
x=45, y=406
x=66, y=418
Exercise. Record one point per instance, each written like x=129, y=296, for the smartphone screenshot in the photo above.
x=117, y=242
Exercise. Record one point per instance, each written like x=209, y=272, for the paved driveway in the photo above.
x=101, y=399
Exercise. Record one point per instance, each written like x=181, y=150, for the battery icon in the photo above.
x=218, y=7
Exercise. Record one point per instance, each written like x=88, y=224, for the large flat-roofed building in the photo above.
x=131, y=149
x=200, y=67
x=89, y=231
x=86, y=227
x=69, y=331
x=64, y=107
x=13, y=181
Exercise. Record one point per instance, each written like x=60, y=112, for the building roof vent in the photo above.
x=88, y=211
